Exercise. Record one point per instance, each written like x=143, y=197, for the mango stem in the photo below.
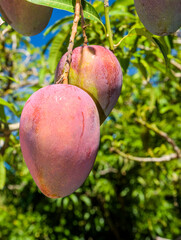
x=64, y=77
x=83, y=25
x=108, y=25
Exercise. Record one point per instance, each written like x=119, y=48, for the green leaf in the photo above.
x=162, y=46
x=55, y=26
x=86, y=200
x=2, y=114
x=68, y=5
x=5, y=78
x=42, y=74
x=158, y=41
x=9, y=105
x=2, y=173
x=121, y=13
x=74, y=199
x=117, y=4
x=138, y=63
x=58, y=47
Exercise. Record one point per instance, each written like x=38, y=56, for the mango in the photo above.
x=26, y=18
x=160, y=17
x=97, y=71
x=59, y=137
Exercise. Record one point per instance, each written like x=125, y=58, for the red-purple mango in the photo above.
x=26, y=18
x=160, y=17
x=97, y=71
x=59, y=137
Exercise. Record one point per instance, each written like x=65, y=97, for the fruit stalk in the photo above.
x=108, y=25
x=83, y=25
x=64, y=77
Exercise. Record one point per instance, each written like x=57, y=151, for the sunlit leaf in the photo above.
x=68, y=5
x=9, y=105
x=2, y=173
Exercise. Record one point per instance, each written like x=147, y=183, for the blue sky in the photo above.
x=57, y=14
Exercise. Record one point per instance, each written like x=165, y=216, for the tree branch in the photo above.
x=162, y=134
x=6, y=129
x=83, y=25
x=164, y=158
x=64, y=77
x=5, y=144
x=108, y=170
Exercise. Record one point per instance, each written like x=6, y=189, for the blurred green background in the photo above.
x=127, y=196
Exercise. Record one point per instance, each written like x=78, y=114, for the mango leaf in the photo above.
x=58, y=47
x=141, y=67
x=42, y=74
x=2, y=114
x=2, y=173
x=5, y=78
x=9, y=105
x=162, y=46
x=117, y=4
x=57, y=24
x=121, y=13
x=86, y=200
x=158, y=41
x=68, y=5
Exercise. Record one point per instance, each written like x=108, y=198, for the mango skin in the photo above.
x=26, y=18
x=160, y=17
x=59, y=137
x=97, y=71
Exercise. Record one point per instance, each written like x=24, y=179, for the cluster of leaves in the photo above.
x=121, y=199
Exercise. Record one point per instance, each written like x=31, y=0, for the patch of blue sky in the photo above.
x=154, y=81
x=174, y=52
x=8, y=167
x=132, y=71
